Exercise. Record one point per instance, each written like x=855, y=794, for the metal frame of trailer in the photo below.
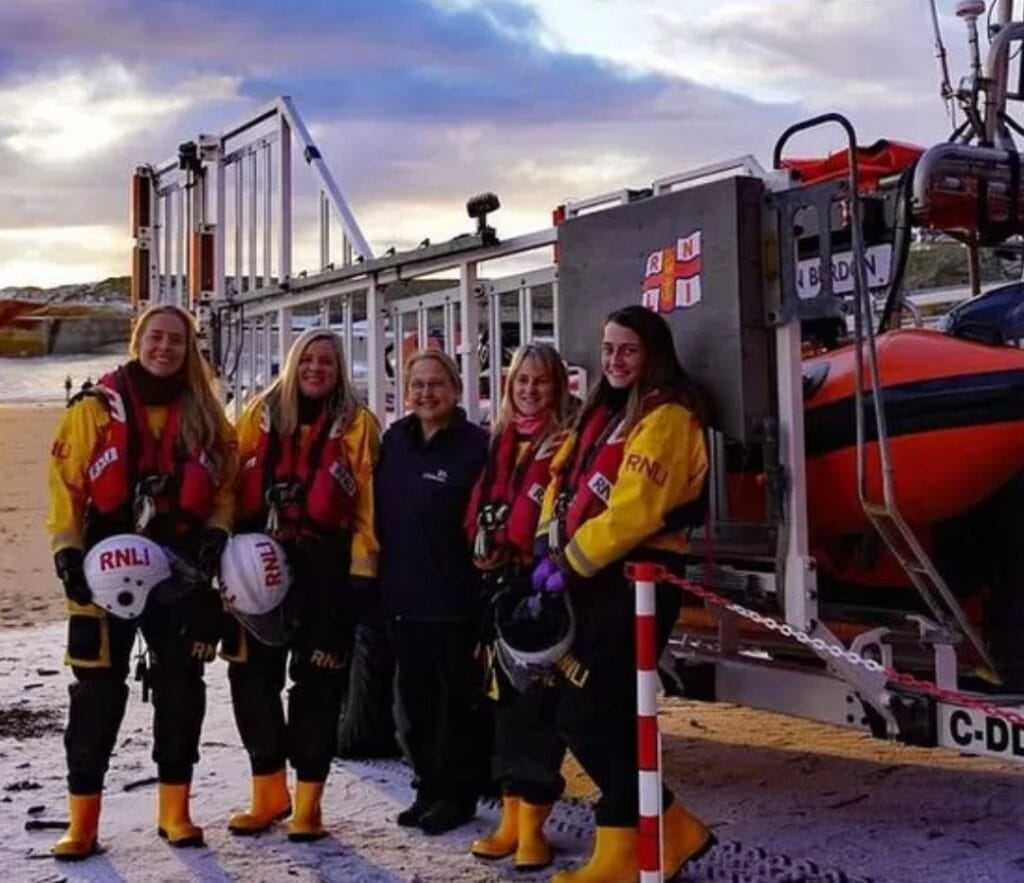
x=214, y=230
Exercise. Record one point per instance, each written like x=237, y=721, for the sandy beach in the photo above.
x=29, y=592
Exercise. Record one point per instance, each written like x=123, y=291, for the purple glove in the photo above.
x=542, y=573
x=548, y=577
x=556, y=582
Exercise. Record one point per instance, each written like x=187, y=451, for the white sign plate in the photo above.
x=878, y=261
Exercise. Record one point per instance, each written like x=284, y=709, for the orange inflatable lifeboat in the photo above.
x=955, y=419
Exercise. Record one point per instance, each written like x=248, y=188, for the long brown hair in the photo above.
x=549, y=360
x=282, y=396
x=662, y=371
x=202, y=415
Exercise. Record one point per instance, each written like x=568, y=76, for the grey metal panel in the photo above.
x=723, y=340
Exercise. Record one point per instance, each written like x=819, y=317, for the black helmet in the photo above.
x=535, y=630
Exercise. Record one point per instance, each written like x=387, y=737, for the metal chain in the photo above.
x=838, y=651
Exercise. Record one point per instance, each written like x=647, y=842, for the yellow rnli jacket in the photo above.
x=80, y=434
x=361, y=442
x=664, y=465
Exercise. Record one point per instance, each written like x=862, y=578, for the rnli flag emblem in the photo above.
x=672, y=276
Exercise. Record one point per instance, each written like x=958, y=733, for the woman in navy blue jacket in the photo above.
x=429, y=461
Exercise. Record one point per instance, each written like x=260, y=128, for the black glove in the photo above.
x=211, y=546
x=68, y=563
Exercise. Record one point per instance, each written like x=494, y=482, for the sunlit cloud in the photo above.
x=79, y=113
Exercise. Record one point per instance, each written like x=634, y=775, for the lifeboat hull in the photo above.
x=955, y=421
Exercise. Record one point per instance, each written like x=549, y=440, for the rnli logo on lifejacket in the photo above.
x=600, y=487
x=647, y=466
x=343, y=477
x=672, y=276
x=536, y=493
x=271, y=564
x=128, y=557
x=104, y=460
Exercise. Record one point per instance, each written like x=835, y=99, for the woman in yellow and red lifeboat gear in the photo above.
x=502, y=521
x=308, y=448
x=625, y=483
x=148, y=450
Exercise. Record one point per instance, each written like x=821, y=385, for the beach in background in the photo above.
x=42, y=379
x=29, y=591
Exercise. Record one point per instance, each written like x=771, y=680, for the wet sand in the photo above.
x=29, y=591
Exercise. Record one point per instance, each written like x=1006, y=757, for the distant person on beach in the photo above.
x=429, y=462
x=67, y=388
x=627, y=485
x=501, y=522
x=308, y=449
x=145, y=451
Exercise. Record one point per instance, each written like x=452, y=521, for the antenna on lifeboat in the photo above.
x=970, y=11
x=945, y=87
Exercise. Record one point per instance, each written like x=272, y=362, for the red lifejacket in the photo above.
x=592, y=468
x=585, y=484
x=306, y=481
x=505, y=504
x=128, y=454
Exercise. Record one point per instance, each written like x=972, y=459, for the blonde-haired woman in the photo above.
x=502, y=520
x=429, y=462
x=147, y=450
x=307, y=447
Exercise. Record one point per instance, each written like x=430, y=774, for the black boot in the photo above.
x=445, y=816
x=413, y=815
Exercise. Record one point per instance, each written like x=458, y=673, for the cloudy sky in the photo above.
x=417, y=104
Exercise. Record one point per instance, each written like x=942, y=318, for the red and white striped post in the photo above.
x=648, y=739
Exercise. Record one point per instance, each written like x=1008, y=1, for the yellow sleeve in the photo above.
x=72, y=450
x=663, y=466
x=223, y=515
x=362, y=444
x=547, y=506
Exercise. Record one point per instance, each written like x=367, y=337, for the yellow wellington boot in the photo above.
x=174, y=823
x=306, y=824
x=614, y=859
x=270, y=803
x=684, y=837
x=503, y=839
x=79, y=840
x=533, y=851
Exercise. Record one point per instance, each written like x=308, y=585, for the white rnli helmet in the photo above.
x=121, y=572
x=254, y=580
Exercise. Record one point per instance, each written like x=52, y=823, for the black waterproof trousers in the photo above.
x=317, y=660
x=442, y=724
x=597, y=689
x=181, y=637
x=528, y=749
